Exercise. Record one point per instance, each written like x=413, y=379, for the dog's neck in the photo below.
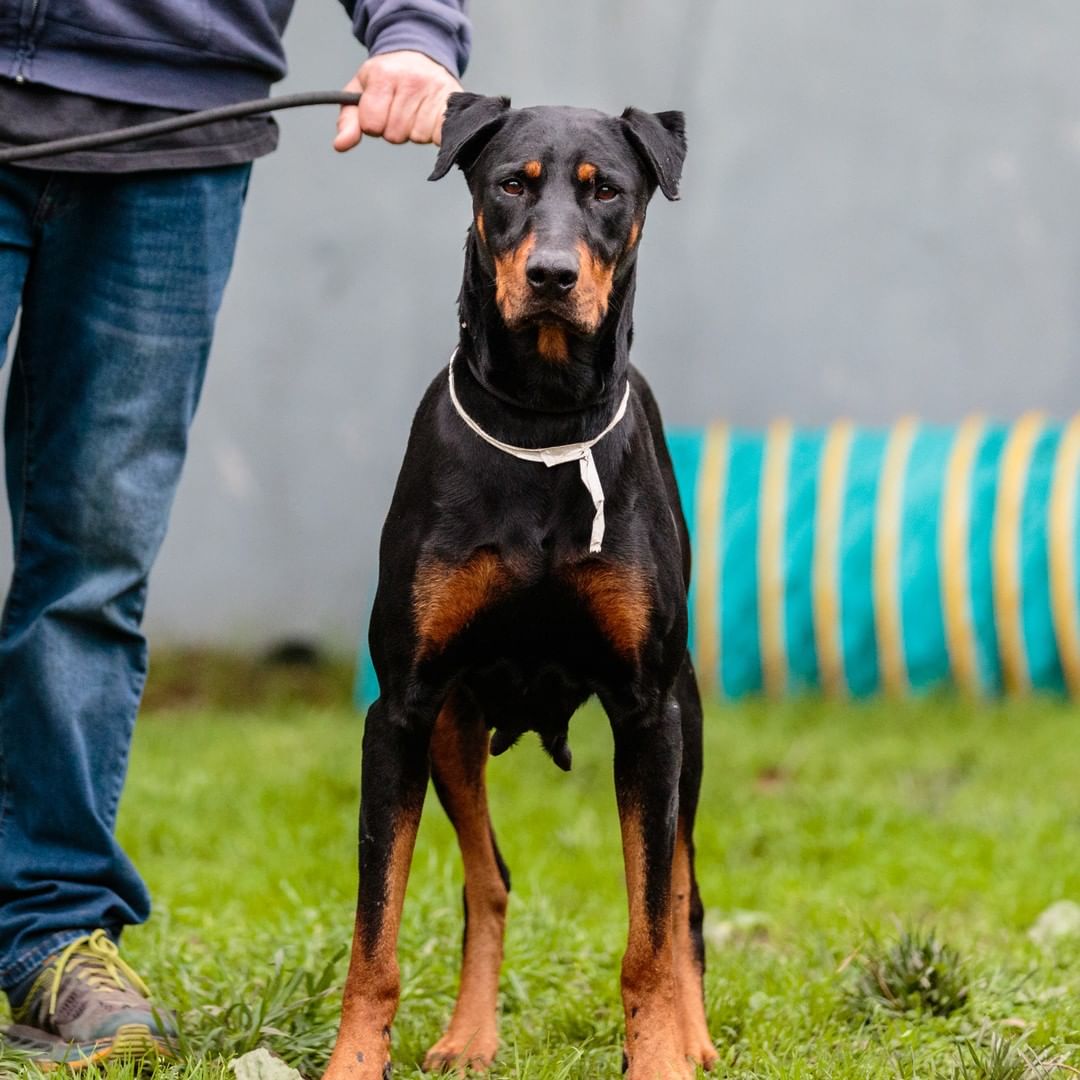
x=509, y=366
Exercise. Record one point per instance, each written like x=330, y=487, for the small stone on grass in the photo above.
x=740, y=928
x=1059, y=920
x=260, y=1064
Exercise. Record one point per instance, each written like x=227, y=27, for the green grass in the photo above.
x=839, y=846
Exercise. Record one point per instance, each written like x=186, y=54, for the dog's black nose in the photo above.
x=552, y=273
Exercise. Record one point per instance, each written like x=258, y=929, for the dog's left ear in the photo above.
x=660, y=140
x=470, y=121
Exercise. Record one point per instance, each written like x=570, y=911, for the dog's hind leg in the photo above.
x=459, y=753
x=687, y=913
x=393, y=784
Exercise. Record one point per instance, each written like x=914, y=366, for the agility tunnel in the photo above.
x=895, y=560
x=857, y=561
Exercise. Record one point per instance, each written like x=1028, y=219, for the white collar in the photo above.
x=556, y=455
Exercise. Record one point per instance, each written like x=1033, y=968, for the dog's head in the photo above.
x=559, y=197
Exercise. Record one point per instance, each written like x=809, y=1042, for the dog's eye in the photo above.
x=512, y=186
x=605, y=192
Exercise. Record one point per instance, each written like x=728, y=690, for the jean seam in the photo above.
x=20, y=533
x=137, y=680
x=19, y=527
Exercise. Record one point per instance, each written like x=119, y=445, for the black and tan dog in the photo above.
x=509, y=592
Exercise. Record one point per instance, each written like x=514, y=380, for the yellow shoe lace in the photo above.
x=96, y=960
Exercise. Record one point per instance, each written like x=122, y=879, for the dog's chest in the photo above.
x=521, y=603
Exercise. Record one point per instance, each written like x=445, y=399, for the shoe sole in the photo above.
x=130, y=1042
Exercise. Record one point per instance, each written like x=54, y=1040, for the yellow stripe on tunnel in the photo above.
x=1005, y=551
x=888, y=514
x=953, y=556
x=826, y=567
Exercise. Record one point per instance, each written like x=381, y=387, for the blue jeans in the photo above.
x=119, y=279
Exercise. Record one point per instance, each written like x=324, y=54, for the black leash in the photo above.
x=176, y=123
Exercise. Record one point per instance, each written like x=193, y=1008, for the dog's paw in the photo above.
x=699, y=1047
x=704, y=1055
x=453, y=1054
x=357, y=1064
x=660, y=1062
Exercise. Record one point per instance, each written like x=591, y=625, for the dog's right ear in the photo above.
x=469, y=122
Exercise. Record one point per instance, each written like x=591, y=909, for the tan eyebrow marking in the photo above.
x=586, y=172
x=532, y=169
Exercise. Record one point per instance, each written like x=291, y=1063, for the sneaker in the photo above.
x=85, y=1005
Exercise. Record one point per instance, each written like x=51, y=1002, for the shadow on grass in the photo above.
x=293, y=673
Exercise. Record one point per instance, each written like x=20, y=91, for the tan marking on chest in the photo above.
x=618, y=599
x=551, y=343
x=446, y=599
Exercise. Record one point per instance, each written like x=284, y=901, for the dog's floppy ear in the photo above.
x=660, y=140
x=470, y=120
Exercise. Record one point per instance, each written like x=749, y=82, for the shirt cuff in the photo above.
x=425, y=36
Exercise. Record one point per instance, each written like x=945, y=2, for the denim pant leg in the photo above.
x=19, y=194
x=124, y=282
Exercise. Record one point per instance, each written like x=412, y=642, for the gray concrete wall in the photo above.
x=879, y=217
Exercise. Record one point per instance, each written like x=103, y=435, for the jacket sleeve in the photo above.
x=438, y=28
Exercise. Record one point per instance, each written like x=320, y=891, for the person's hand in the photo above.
x=403, y=98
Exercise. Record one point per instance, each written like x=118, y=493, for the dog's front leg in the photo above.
x=394, y=780
x=687, y=913
x=459, y=755
x=648, y=758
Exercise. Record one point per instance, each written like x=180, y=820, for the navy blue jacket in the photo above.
x=193, y=54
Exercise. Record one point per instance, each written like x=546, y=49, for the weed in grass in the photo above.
x=288, y=1012
x=1000, y=1058
x=916, y=973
